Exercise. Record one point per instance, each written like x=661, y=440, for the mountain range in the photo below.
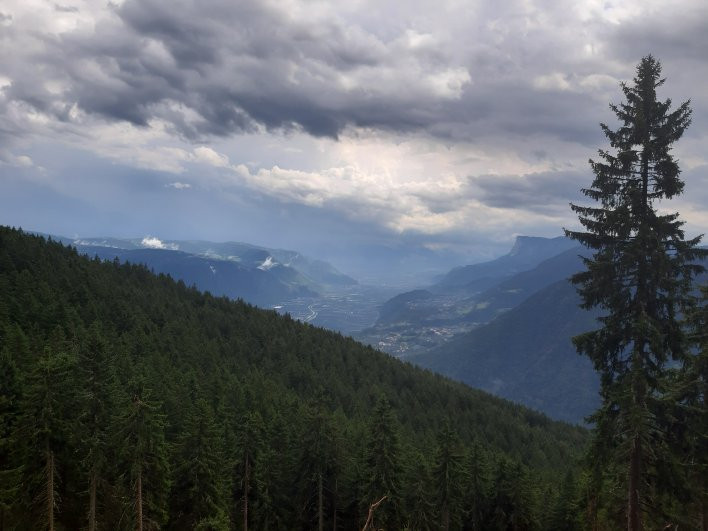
x=527, y=252
x=469, y=296
x=504, y=326
x=261, y=276
x=526, y=355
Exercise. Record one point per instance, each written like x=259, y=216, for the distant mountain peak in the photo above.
x=527, y=253
x=534, y=244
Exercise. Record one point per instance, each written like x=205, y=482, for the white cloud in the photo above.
x=555, y=81
x=206, y=155
x=19, y=161
x=179, y=186
x=152, y=242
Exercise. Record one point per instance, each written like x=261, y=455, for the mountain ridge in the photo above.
x=254, y=273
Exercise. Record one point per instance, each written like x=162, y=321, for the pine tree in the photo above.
x=421, y=508
x=564, y=511
x=249, y=446
x=639, y=274
x=383, y=466
x=198, y=490
x=477, y=492
x=142, y=433
x=448, y=478
x=43, y=428
x=318, y=466
x=96, y=390
x=513, y=503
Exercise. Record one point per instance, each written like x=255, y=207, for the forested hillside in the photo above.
x=527, y=355
x=129, y=401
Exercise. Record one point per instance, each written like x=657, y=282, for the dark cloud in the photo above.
x=496, y=87
x=65, y=9
x=672, y=35
x=542, y=193
x=223, y=67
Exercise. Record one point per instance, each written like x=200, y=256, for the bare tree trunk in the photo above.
x=92, y=501
x=139, y=499
x=370, y=518
x=320, y=510
x=50, y=487
x=634, y=517
x=246, y=486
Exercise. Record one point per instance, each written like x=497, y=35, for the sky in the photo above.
x=419, y=133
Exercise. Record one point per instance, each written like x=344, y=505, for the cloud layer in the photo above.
x=447, y=121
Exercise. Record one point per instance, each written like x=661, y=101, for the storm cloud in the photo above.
x=220, y=67
x=443, y=124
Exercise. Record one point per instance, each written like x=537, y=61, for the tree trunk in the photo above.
x=139, y=499
x=445, y=517
x=92, y=501
x=246, y=486
x=50, y=487
x=634, y=516
x=320, y=511
x=334, y=508
x=592, y=513
x=704, y=513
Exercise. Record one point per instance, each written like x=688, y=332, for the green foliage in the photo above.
x=383, y=466
x=478, y=490
x=10, y=469
x=689, y=423
x=449, y=478
x=319, y=467
x=211, y=414
x=145, y=454
x=199, y=482
x=421, y=507
x=514, y=502
x=43, y=429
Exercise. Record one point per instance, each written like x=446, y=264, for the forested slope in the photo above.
x=527, y=355
x=127, y=397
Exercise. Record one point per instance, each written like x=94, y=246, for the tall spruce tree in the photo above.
x=383, y=465
x=95, y=389
x=318, y=466
x=142, y=430
x=198, y=493
x=42, y=430
x=477, y=491
x=248, y=447
x=639, y=274
x=448, y=478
